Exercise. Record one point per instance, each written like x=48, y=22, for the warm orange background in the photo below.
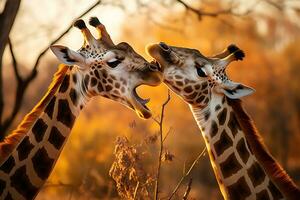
x=269, y=37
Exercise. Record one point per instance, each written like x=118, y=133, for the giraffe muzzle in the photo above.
x=164, y=47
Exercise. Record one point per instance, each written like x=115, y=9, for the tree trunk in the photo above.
x=7, y=18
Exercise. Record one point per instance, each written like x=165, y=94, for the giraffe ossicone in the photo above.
x=243, y=167
x=98, y=68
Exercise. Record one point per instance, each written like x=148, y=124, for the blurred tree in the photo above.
x=6, y=21
x=7, y=18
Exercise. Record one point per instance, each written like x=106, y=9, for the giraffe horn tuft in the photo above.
x=230, y=54
x=103, y=34
x=239, y=54
x=224, y=62
x=88, y=37
x=232, y=48
x=94, y=21
x=79, y=24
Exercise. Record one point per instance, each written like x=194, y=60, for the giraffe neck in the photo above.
x=238, y=172
x=29, y=165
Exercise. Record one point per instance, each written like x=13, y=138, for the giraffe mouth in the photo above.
x=139, y=99
x=140, y=105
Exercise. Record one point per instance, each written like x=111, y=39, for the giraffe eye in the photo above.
x=200, y=71
x=114, y=63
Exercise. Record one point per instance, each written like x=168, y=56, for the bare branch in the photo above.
x=187, y=173
x=155, y=120
x=14, y=61
x=188, y=189
x=201, y=13
x=169, y=131
x=160, y=123
x=229, y=11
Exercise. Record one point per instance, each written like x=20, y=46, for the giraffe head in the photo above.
x=195, y=77
x=109, y=70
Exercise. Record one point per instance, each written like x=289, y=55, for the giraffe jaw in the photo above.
x=152, y=78
x=139, y=105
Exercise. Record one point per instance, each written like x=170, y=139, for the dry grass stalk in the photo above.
x=188, y=189
x=128, y=173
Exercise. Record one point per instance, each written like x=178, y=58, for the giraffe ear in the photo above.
x=236, y=90
x=68, y=56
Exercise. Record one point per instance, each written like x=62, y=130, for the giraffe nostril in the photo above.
x=164, y=46
x=154, y=66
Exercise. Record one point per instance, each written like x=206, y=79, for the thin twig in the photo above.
x=188, y=189
x=201, y=13
x=167, y=134
x=156, y=120
x=187, y=173
x=14, y=61
x=160, y=123
x=135, y=190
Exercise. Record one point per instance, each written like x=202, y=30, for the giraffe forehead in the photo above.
x=137, y=58
x=219, y=75
x=98, y=53
x=134, y=60
x=190, y=55
x=185, y=51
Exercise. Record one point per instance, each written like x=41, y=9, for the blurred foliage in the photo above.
x=271, y=67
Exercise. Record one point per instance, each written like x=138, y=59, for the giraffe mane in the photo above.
x=10, y=142
x=276, y=173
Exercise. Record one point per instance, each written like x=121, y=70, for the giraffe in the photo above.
x=242, y=165
x=98, y=68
